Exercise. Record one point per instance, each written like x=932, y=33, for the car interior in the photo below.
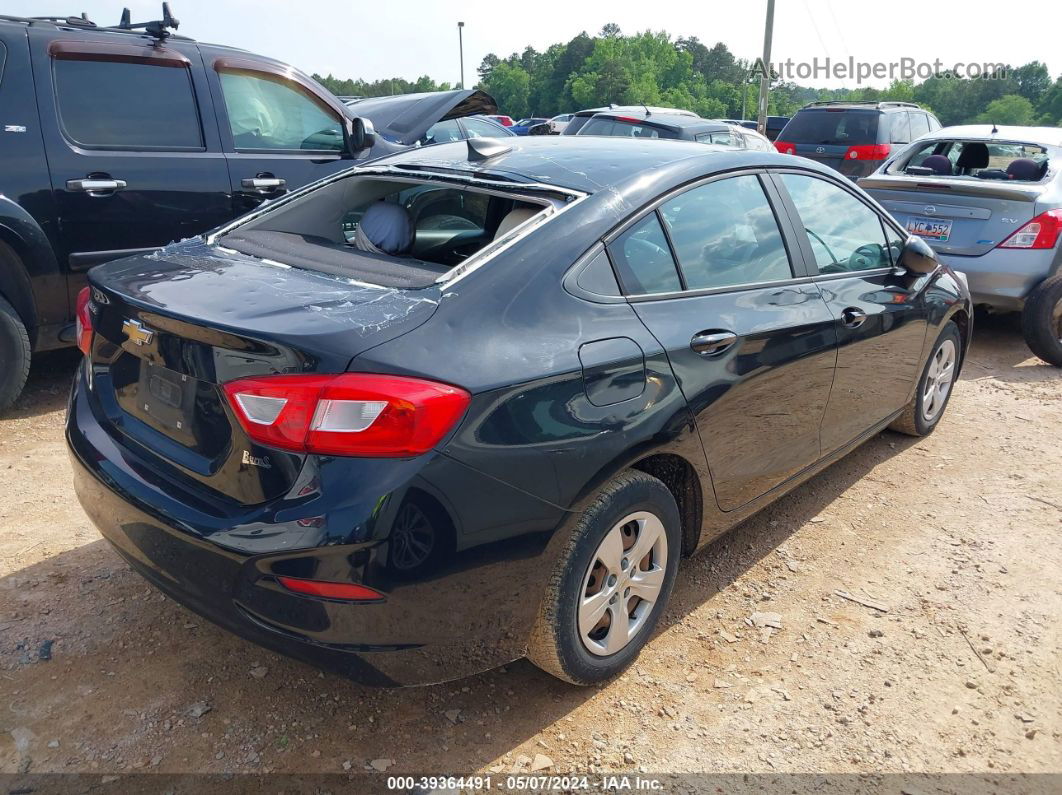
x=385, y=232
x=993, y=160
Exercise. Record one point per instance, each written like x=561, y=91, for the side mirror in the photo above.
x=361, y=133
x=540, y=129
x=918, y=257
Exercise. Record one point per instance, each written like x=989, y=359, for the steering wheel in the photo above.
x=866, y=257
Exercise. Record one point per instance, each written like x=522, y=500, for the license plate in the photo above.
x=167, y=400
x=929, y=228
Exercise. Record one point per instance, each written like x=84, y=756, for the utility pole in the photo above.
x=461, y=49
x=765, y=78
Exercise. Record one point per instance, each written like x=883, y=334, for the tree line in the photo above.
x=656, y=69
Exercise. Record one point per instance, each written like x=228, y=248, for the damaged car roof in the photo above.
x=586, y=164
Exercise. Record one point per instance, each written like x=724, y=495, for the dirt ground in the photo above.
x=957, y=535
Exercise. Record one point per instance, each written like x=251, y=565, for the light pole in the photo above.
x=461, y=49
x=765, y=78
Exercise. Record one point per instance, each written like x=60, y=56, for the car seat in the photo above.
x=939, y=164
x=1025, y=170
x=973, y=155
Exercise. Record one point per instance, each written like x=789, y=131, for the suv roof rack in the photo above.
x=877, y=103
x=159, y=29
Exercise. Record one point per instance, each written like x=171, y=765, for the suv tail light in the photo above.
x=868, y=152
x=1041, y=232
x=84, y=321
x=355, y=414
x=785, y=147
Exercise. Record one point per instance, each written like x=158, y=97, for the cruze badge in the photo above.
x=256, y=460
x=136, y=332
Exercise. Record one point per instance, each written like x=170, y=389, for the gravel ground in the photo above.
x=955, y=537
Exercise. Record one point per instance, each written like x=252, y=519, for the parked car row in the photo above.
x=987, y=199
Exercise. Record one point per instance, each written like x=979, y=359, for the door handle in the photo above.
x=263, y=183
x=711, y=343
x=95, y=186
x=853, y=317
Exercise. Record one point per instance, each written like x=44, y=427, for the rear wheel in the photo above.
x=934, y=387
x=1041, y=320
x=611, y=584
x=14, y=354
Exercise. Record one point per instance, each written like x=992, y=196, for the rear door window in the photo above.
x=479, y=128
x=443, y=132
x=267, y=112
x=127, y=105
x=845, y=234
x=621, y=128
x=643, y=260
x=836, y=126
x=725, y=233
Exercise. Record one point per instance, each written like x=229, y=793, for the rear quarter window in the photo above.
x=127, y=105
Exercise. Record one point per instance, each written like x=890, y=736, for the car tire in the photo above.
x=931, y=398
x=14, y=353
x=1041, y=320
x=633, y=508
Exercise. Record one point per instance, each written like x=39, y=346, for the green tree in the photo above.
x=510, y=86
x=1011, y=109
x=1033, y=80
x=486, y=66
x=1050, y=106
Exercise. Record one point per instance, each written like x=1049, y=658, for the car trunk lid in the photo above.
x=172, y=327
x=978, y=215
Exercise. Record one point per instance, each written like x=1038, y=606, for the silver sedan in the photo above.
x=989, y=200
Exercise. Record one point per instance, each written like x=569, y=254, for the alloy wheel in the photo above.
x=622, y=584
x=939, y=379
x=412, y=538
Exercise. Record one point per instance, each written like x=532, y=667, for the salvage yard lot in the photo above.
x=957, y=535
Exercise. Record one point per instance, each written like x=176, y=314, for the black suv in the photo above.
x=853, y=137
x=118, y=140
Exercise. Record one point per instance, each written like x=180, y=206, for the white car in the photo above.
x=558, y=123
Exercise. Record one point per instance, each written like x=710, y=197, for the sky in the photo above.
x=359, y=38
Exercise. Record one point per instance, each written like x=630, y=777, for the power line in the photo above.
x=840, y=33
x=816, y=26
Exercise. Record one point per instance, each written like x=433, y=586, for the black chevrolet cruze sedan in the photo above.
x=475, y=402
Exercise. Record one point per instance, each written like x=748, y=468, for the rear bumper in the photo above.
x=432, y=626
x=1002, y=278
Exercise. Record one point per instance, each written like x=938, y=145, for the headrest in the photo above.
x=973, y=155
x=1024, y=169
x=940, y=165
x=514, y=218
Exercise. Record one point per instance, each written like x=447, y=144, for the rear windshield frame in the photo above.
x=897, y=167
x=553, y=200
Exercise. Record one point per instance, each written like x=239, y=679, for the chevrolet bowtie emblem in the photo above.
x=136, y=332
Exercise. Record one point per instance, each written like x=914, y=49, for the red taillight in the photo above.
x=1041, y=232
x=785, y=147
x=868, y=152
x=84, y=321
x=354, y=414
x=349, y=592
